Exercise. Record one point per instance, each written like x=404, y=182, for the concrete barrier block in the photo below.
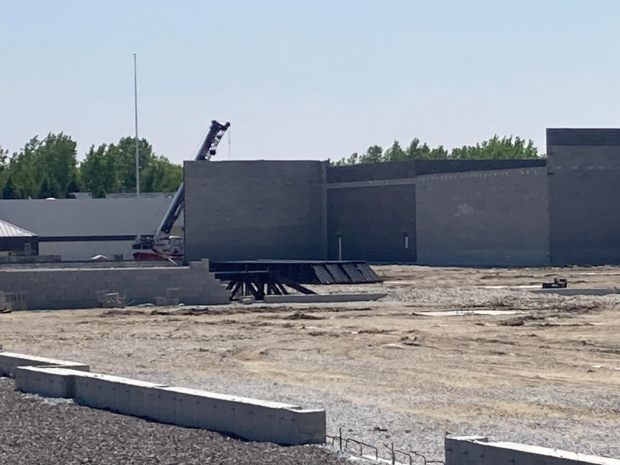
x=9, y=361
x=122, y=395
x=308, y=426
x=91, y=391
x=481, y=451
x=251, y=419
x=322, y=298
x=46, y=382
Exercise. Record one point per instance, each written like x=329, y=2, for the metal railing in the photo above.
x=343, y=445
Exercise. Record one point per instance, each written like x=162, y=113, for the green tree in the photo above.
x=57, y=158
x=3, y=169
x=161, y=176
x=374, y=154
x=350, y=160
x=44, y=168
x=496, y=148
x=26, y=177
x=124, y=154
x=395, y=153
x=111, y=168
x=8, y=190
x=98, y=172
x=415, y=151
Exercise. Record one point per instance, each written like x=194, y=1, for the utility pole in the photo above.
x=135, y=92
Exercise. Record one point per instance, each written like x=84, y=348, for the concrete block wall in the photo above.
x=496, y=217
x=373, y=221
x=78, y=287
x=481, y=451
x=251, y=419
x=255, y=210
x=584, y=188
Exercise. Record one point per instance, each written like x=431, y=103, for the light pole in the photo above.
x=135, y=92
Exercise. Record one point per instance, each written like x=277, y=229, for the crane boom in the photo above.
x=159, y=243
x=206, y=151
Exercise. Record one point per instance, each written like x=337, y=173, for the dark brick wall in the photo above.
x=584, y=196
x=497, y=217
x=371, y=172
x=409, y=169
x=462, y=166
x=373, y=223
x=255, y=209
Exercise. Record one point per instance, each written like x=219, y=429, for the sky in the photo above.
x=306, y=79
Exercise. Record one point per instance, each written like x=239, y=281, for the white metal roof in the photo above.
x=10, y=230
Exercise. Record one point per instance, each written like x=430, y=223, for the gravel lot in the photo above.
x=35, y=431
x=464, y=351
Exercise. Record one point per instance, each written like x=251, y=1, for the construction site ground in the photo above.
x=449, y=350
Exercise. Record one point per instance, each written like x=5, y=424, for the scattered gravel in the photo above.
x=37, y=432
x=500, y=298
x=382, y=426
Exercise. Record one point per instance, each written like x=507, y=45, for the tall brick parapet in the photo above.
x=58, y=288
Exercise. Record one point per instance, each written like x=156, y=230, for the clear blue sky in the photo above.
x=307, y=79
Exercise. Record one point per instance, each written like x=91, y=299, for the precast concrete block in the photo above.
x=46, y=382
x=114, y=393
x=9, y=361
x=303, y=426
x=251, y=419
x=133, y=397
x=195, y=408
x=286, y=426
x=481, y=451
x=162, y=404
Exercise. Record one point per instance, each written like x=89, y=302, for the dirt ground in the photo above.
x=449, y=350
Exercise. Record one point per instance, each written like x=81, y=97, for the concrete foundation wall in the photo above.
x=251, y=419
x=9, y=361
x=46, y=382
x=483, y=218
x=78, y=287
x=255, y=209
x=375, y=223
x=584, y=188
x=480, y=451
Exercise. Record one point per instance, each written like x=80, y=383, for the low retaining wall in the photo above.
x=321, y=298
x=251, y=419
x=9, y=362
x=258, y=420
x=481, y=451
x=80, y=286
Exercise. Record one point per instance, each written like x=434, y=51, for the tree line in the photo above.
x=495, y=148
x=49, y=167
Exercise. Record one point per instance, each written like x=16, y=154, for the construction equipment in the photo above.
x=161, y=245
